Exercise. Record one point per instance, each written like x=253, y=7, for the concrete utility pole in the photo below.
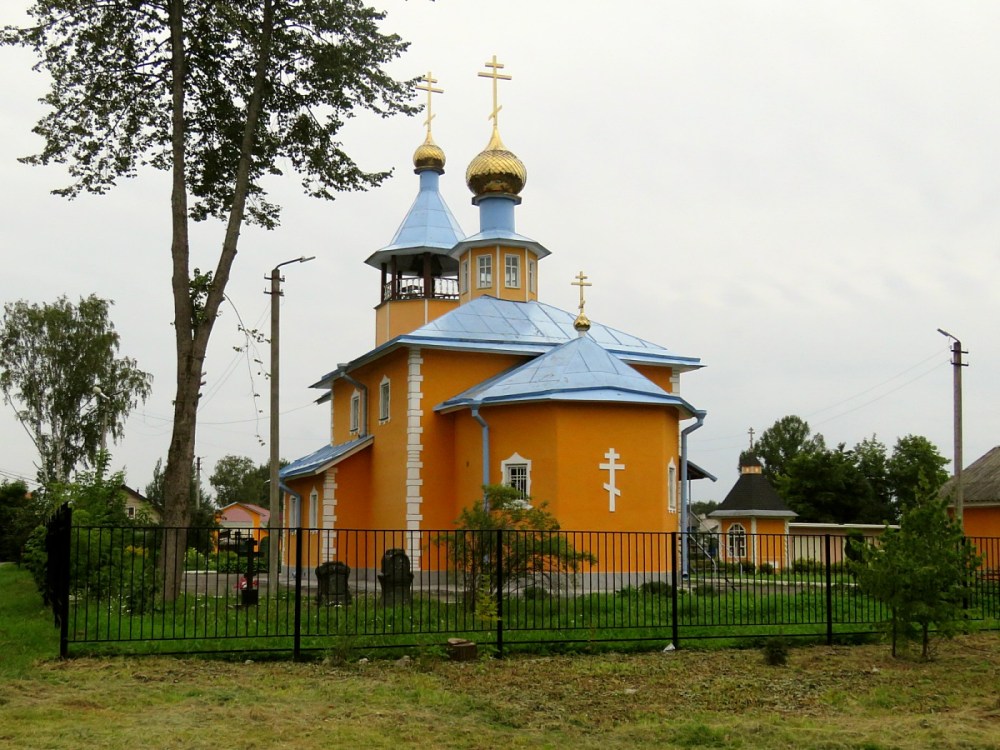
x=273, y=530
x=957, y=364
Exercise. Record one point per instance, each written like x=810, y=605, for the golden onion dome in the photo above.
x=582, y=323
x=428, y=155
x=496, y=170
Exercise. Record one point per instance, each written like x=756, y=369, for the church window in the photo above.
x=672, y=487
x=355, y=411
x=512, y=271
x=517, y=474
x=737, y=541
x=313, y=509
x=485, y=271
x=383, y=400
x=463, y=279
x=293, y=512
x=531, y=276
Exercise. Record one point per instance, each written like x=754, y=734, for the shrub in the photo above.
x=195, y=560
x=656, y=588
x=535, y=593
x=776, y=651
x=229, y=562
x=807, y=566
x=766, y=569
x=530, y=546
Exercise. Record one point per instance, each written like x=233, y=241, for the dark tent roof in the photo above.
x=980, y=480
x=752, y=495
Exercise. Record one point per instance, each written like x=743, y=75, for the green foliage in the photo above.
x=783, y=441
x=35, y=557
x=776, y=651
x=827, y=487
x=529, y=554
x=237, y=479
x=920, y=571
x=916, y=467
x=52, y=356
x=19, y=514
x=656, y=588
x=228, y=561
x=766, y=569
x=195, y=560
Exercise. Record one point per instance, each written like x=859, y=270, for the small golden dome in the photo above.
x=496, y=170
x=582, y=323
x=428, y=155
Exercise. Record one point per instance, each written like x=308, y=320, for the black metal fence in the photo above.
x=356, y=590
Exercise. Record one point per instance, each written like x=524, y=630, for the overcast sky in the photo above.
x=799, y=194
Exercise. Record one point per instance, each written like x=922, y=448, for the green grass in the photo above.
x=827, y=698
x=27, y=633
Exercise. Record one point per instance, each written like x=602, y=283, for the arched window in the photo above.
x=737, y=541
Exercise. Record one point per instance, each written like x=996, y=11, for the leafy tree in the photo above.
x=827, y=487
x=920, y=571
x=915, y=466
x=237, y=479
x=222, y=95
x=529, y=551
x=782, y=442
x=19, y=514
x=871, y=460
x=52, y=357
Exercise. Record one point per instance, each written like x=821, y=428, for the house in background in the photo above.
x=980, y=495
x=139, y=506
x=473, y=380
x=753, y=520
x=241, y=520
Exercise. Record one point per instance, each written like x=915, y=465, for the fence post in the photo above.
x=297, y=633
x=58, y=542
x=498, y=553
x=675, y=581
x=829, y=593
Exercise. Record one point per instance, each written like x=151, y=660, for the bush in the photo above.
x=229, y=562
x=656, y=588
x=195, y=560
x=766, y=569
x=776, y=651
x=535, y=593
x=807, y=566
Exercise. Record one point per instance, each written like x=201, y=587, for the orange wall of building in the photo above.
x=659, y=375
x=397, y=317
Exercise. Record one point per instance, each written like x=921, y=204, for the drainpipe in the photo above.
x=363, y=432
x=685, y=500
x=486, y=455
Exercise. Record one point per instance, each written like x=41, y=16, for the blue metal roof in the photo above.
x=323, y=458
x=529, y=328
x=579, y=370
x=428, y=225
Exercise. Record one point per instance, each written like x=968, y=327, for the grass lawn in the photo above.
x=827, y=697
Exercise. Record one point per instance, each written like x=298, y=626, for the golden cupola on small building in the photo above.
x=497, y=261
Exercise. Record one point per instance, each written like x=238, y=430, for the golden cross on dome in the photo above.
x=581, y=281
x=429, y=80
x=496, y=76
x=751, y=431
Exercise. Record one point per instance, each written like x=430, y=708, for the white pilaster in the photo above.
x=414, y=454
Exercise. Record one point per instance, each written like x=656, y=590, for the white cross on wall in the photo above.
x=611, y=467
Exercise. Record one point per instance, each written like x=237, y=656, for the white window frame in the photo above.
x=314, y=509
x=736, y=542
x=512, y=271
x=517, y=462
x=672, y=487
x=384, y=394
x=463, y=279
x=531, y=276
x=294, y=512
x=356, y=411
x=484, y=271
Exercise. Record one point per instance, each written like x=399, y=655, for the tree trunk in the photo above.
x=193, y=327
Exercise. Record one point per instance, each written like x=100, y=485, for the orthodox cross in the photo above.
x=581, y=281
x=429, y=80
x=611, y=467
x=751, y=437
x=496, y=76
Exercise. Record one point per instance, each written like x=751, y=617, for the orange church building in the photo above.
x=474, y=380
